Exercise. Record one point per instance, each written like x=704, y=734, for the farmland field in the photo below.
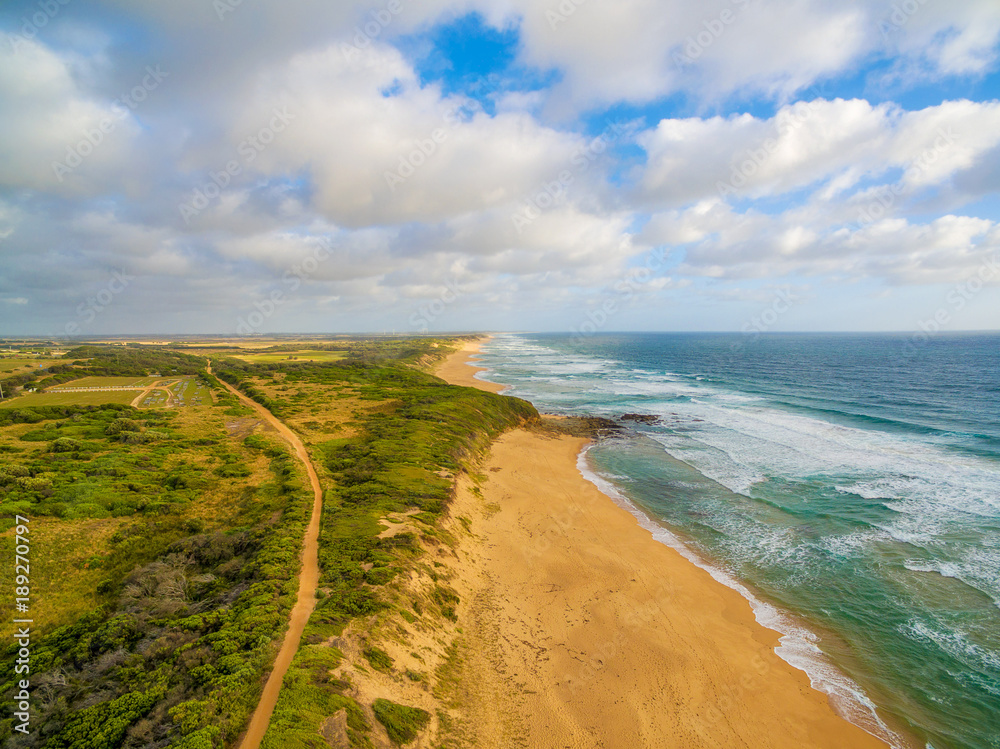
x=23, y=364
x=95, y=398
x=306, y=355
x=103, y=382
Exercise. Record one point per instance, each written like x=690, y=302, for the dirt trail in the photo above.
x=308, y=580
x=151, y=389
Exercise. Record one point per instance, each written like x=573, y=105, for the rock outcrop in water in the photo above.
x=640, y=418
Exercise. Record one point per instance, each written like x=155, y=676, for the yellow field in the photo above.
x=24, y=363
x=281, y=356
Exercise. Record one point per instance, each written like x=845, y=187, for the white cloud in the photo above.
x=49, y=119
x=811, y=142
x=380, y=148
x=640, y=50
x=721, y=243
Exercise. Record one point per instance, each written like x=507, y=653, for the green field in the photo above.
x=95, y=398
x=103, y=382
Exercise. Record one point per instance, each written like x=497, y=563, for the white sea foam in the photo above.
x=852, y=544
x=980, y=570
x=957, y=644
x=942, y=501
x=797, y=645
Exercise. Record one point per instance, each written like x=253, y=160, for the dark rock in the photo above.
x=641, y=418
x=594, y=427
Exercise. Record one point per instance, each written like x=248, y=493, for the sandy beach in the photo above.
x=581, y=630
x=457, y=370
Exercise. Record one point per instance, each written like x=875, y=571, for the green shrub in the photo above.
x=402, y=723
x=118, y=426
x=66, y=445
x=379, y=659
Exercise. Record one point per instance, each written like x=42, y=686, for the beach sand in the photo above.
x=581, y=630
x=456, y=370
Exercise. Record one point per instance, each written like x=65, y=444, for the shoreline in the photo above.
x=459, y=367
x=613, y=635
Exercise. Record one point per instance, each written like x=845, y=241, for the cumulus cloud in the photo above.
x=381, y=148
x=640, y=50
x=280, y=131
x=719, y=242
x=812, y=142
x=54, y=135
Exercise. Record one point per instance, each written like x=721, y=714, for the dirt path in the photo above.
x=151, y=389
x=308, y=579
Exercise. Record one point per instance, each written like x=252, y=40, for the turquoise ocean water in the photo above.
x=848, y=485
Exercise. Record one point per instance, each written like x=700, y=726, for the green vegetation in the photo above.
x=115, y=362
x=169, y=539
x=401, y=723
x=379, y=659
x=96, y=398
x=422, y=429
x=309, y=695
x=191, y=578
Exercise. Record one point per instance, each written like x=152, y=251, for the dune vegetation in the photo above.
x=165, y=545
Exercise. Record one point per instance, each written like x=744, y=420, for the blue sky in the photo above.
x=203, y=166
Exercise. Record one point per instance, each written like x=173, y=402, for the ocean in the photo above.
x=847, y=484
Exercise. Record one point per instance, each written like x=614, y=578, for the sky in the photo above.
x=251, y=166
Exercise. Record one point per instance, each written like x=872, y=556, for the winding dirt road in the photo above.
x=308, y=579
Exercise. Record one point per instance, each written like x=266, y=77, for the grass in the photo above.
x=378, y=658
x=100, y=382
x=387, y=440
x=67, y=559
x=24, y=363
x=311, y=693
x=402, y=723
x=95, y=398
x=305, y=355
